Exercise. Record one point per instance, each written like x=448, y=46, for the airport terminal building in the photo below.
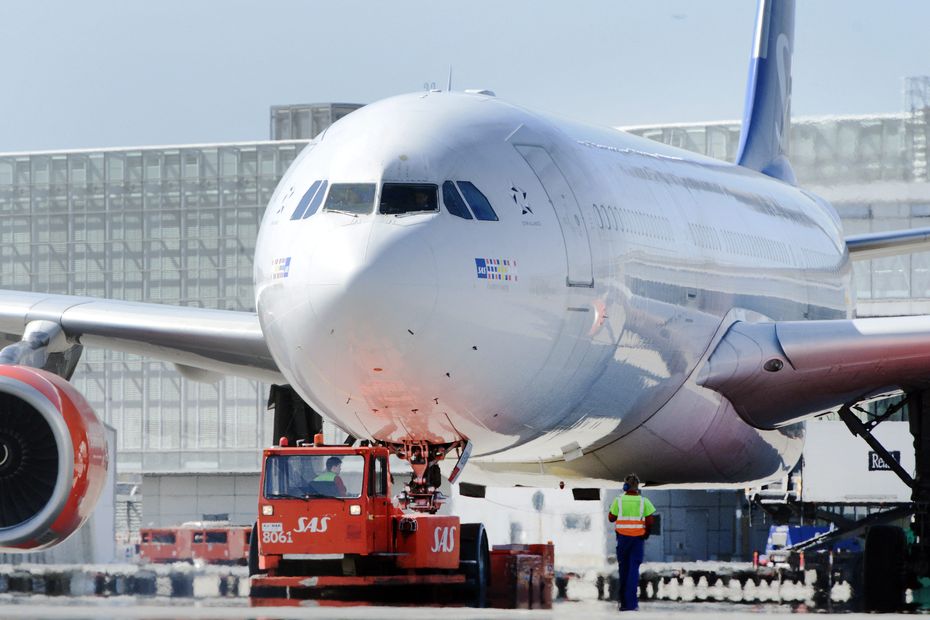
x=178, y=224
x=173, y=225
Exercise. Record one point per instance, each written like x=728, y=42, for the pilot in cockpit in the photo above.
x=421, y=198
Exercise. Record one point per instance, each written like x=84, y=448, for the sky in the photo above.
x=100, y=73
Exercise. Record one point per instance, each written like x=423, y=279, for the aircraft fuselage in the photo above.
x=562, y=339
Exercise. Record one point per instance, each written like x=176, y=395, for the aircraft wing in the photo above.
x=779, y=372
x=776, y=373
x=203, y=343
x=877, y=245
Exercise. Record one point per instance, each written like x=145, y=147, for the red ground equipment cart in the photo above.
x=214, y=543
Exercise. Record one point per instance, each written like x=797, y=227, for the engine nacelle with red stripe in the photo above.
x=53, y=458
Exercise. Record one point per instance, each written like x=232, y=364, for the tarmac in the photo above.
x=118, y=608
x=159, y=600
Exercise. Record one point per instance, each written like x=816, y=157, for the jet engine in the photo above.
x=53, y=458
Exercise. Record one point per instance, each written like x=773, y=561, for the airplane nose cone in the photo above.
x=371, y=286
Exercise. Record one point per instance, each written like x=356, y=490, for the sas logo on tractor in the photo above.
x=316, y=525
x=444, y=539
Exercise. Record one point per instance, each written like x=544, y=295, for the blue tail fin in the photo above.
x=763, y=142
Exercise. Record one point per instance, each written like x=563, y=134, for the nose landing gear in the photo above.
x=422, y=493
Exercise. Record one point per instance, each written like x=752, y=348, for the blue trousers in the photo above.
x=629, y=557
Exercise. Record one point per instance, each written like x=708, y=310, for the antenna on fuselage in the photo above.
x=449, y=87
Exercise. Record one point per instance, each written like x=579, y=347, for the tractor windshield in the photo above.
x=303, y=476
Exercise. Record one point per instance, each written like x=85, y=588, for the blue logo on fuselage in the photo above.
x=482, y=266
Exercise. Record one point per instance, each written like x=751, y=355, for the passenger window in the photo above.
x=453, y=201
x=600, y=220
x=305, y=201
x=478, y=203
x=351, y=198
x=217, y=537
x=400, y=198
x=317, y=200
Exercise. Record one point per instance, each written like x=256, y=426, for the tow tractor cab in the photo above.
x=325, y=500
x=335, y=502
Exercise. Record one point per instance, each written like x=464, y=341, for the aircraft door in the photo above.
x=574, y=231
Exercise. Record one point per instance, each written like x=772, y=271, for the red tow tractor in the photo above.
x=329, y=530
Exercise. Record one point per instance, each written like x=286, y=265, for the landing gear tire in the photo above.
x=884, y=569
x=476, y=563
x=253, y=552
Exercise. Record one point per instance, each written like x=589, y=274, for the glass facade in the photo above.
x=168, y=225
x=837, y=150
x=305, y=121
x=873, y=169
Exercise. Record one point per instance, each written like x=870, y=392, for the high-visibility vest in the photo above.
x=325, y=476
x=631, y=524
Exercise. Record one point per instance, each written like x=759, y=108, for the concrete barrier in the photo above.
x=176, y=580
x=182, y=585
x=736, y=583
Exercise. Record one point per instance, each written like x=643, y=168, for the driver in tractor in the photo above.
x=329, y=482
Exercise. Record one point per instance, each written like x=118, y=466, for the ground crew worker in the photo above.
x=633, y=515
x=333, y=467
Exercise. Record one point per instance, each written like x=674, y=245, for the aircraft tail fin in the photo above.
x=763, y=143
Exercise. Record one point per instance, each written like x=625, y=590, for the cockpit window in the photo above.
x=478, y=203
x=453, y=201
x=317, y=200
x=305, y=201
x=351, y=198
x=399, y=198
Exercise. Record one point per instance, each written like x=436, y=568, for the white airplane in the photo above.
x=447, y=273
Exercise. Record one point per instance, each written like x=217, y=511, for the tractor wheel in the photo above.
x=883, y=575
x=476, y=563
x=253, y=552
